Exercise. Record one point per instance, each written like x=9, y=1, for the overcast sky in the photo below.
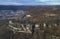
x=29, y=2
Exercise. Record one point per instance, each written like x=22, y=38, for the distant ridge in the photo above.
x=22, y=7
x=15, y=7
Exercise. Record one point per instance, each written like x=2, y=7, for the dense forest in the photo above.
x=40, y=15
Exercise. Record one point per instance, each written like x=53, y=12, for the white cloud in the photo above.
x=29, y=2
x=53, y=3
x=47, y=0
x=41, y=0
x=11, y=3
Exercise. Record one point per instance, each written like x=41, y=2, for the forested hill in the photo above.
x=16, y=7
x=33, y=9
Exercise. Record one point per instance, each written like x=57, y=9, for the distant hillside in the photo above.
x=33, y=10
x=12, y=7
